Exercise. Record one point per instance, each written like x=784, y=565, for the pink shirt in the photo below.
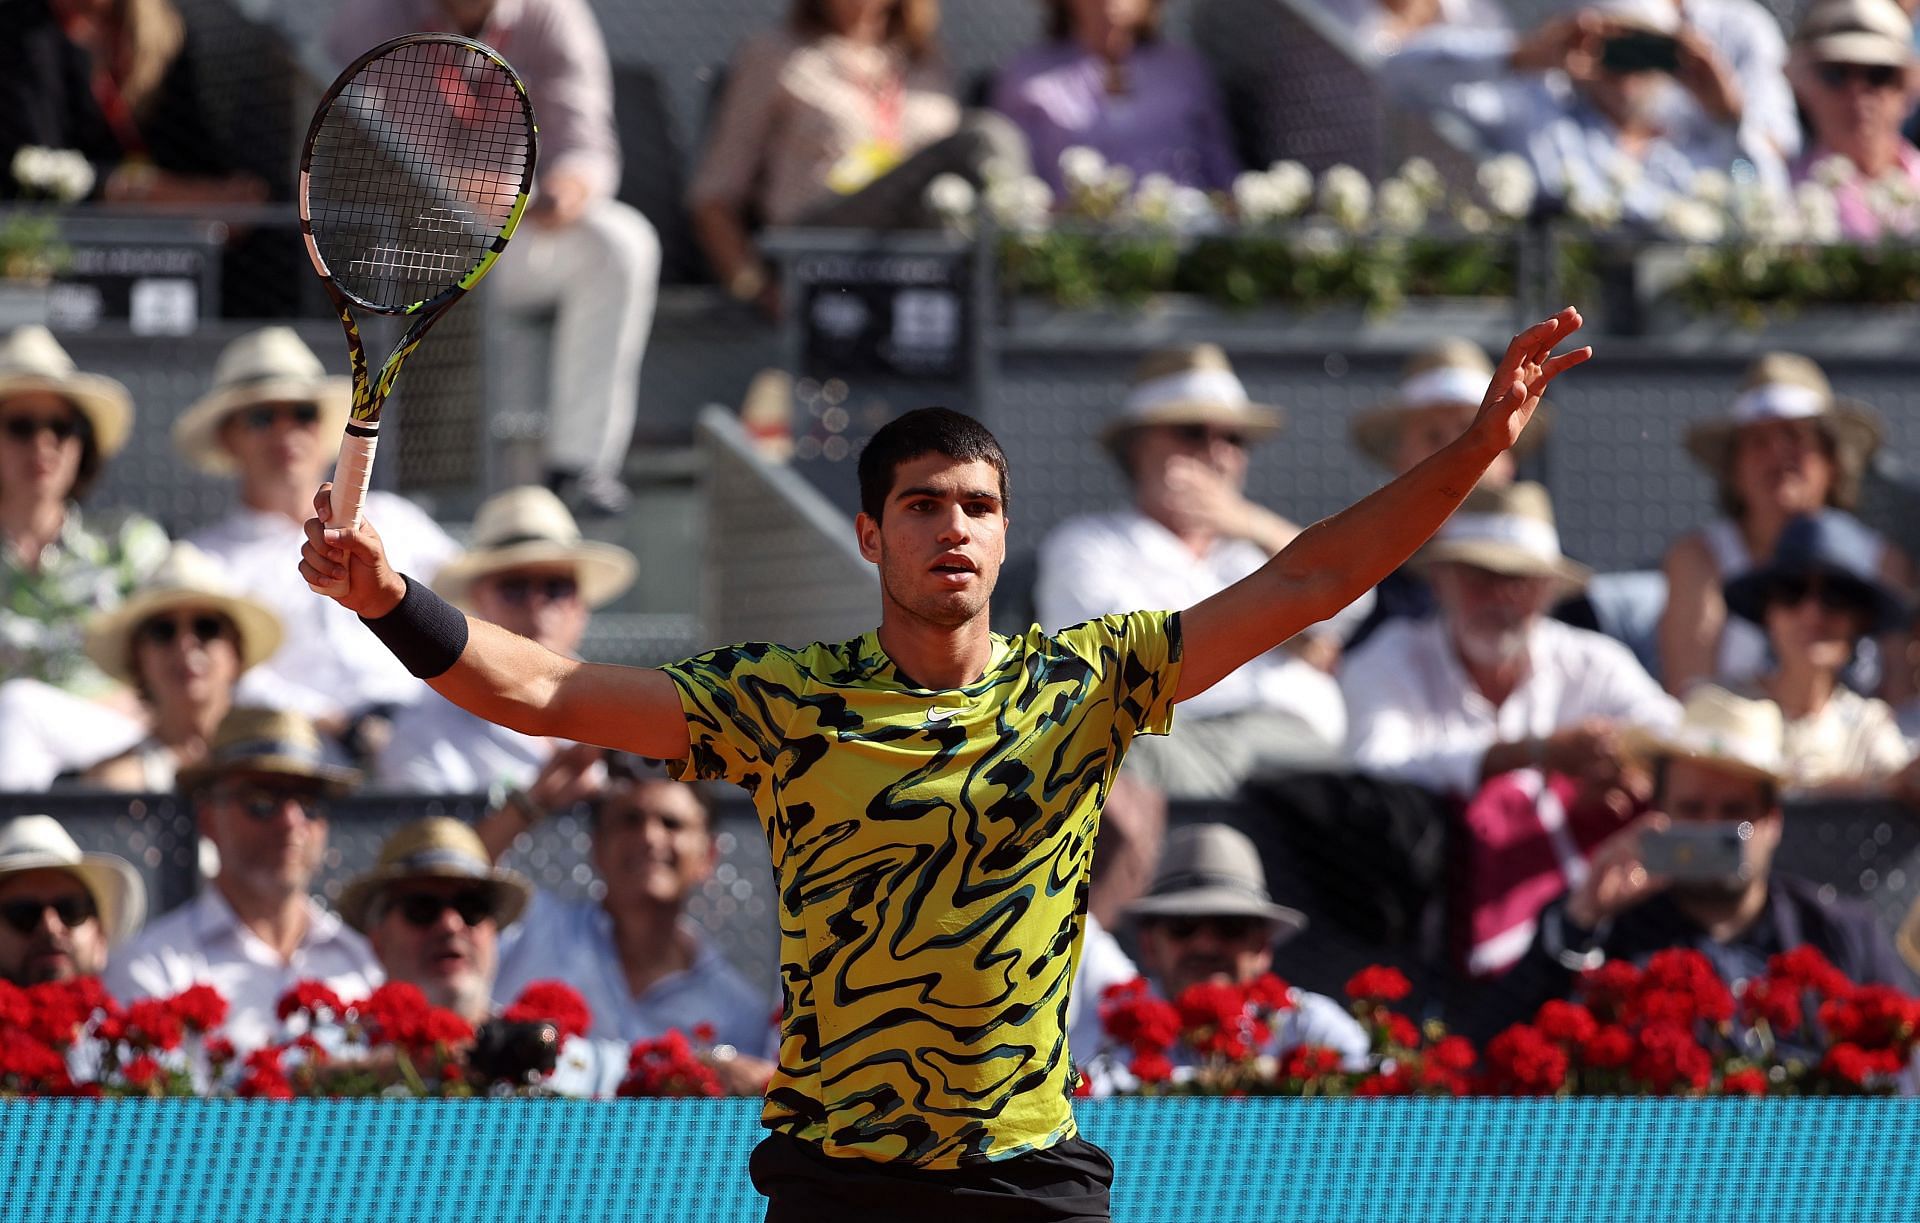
x=1857, y=220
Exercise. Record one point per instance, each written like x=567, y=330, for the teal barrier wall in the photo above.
x=1181, y=1161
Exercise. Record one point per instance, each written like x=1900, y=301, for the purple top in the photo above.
x=1169, y=121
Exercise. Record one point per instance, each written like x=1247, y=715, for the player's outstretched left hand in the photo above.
x=1525, y=371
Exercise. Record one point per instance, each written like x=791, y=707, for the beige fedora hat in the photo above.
x=1190, y=385
x=274, y=741
x=530, y=526
x=271, y=365
x=32, y=360
x=1718, y=728
x=434, y=848
x=1787, y=386
x=38, y=843
x=1450, y=373
x=1505, y=530
x=187, y=578
x=1875, y=32
x=1213, y=870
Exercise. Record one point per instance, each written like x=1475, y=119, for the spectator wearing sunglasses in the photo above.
x=1208, y=917
x=260, y=797
x=273, y=421
x=61, y=911
x=528, y=571
x=433, y=908
x=641, y=964
x=1852, y=68
x=1818, y=597
x=1182, y=438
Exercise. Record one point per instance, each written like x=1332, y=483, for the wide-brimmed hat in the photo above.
x=1449, y=374
x=38, y=842
x=32, y=360
x=1508, y=531
x=1190, y=385
x=273, y=741
x=1726, y=731
x=1213, y=870
x=187, y=578
x=530, y=526
x=271, y=365
x=1660, y=16
x=1856, y=32
x=434, y=848
x=1787, y=386
x=1834, y=546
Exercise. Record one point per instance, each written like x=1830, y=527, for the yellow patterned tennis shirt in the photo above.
x=931, y=850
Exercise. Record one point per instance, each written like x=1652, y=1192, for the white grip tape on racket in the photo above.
x=350, y=478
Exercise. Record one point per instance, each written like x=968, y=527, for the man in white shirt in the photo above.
x=274, y=421
x=255, y=931
x=1486, y=699
x=529, y=571
x=61, y=911
x=641, y=964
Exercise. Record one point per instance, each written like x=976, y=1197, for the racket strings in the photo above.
x=416, y=168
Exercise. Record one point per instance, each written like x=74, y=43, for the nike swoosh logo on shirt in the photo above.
x=940, y=713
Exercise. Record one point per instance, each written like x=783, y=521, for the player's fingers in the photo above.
x=319, y=582
x=1555, y=366
x=323, y=502
x=320, y=562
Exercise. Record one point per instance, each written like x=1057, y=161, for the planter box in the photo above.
x=1030, y=323
x=1817, y=331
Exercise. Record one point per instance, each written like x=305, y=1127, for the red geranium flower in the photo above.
x=315, y=999
x=1395, y=1082
x=443, y=1027
x=152, y=1024
x=1609, y=988
x=14, y=1010
x=141, y=1070
x=30, y=1062
x=667, y=1067
x=1455, y=1053
x=1872, y=1016
x=1669, y=1058
x=1568, y=1023
x=220, y=1050
x=1609, y=1048
x=1807, y=968
x=1270, y=993
x=1140, y=1021
x=395, y=1014
x=199, y=1008
x=1309, y=1062
x=1377, y=983
x=1524, y=1063
x=561, y=1005
x=1750, y=1081
x=58, y=1009
x=1773, y=1001
x=1151, y=1066
x=1402, y=1031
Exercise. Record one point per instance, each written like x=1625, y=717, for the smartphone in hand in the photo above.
x=1641, y=51
x=1706, y=851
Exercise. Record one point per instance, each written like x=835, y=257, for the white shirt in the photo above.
x=440, y=748
x=572, y=941
x=1099, y=564
x=328, y=663
x=1852, y=738
x=1415, y=715
x=204, y=942
x=1102, y=965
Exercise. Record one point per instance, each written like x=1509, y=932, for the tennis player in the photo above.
x=930, y=793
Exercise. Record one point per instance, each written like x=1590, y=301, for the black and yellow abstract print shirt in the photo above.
x=932, y=852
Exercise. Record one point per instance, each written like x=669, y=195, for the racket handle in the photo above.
x=350, y=478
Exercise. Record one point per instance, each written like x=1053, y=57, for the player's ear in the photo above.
x=866, y=529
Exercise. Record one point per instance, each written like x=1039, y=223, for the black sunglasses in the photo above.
x=519, y=591
x=263, y=805
x=205, y=627
x=423, y=909
x=24, y=914
x=1200, y=435
x=1874, y=76
x=1226, y=928
x=27, y=428
x=263, y=416
x=1833, y=596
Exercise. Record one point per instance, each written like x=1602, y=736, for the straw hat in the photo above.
x=1190, y=385
x=32, y=360
x=38, y=842
x=434, y=848
x=1787, y=386
x=271, y=365
x=1832, y=545
x=187, y=578
x=1213, y=870
x=1660, y=16
x=1449, y=374
x=1506, y=530
x=273, y=741
x=530, y=526
x=1723, y=730
x=1856, y=32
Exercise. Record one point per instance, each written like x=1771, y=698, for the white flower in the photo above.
x=1419, y=173
x=1292, y=186
x=951, y=198
x=1599, y=209
x=1023, y=204
x=1693, y=221
x=58, y=174
x=1473, y=218
x=1153, y=199
x=1509, y=185
x=1712, y=187
x=1819, y=211
x=1346, y=196
x=1763, y=215
x=1319, y=241
x=1191, y=211
x=1081, y=168
x=1116, y=182
x=1401, y=209
x=1833, y=172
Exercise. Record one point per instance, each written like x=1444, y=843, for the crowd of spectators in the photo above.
x=1551, y=754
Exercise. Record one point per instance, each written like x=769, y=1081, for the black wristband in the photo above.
x=424, y=631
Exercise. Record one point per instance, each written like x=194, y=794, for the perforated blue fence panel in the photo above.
x=1193, y=1160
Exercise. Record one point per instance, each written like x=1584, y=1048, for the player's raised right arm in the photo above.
x=482, y=667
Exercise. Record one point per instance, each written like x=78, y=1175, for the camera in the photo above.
x=516, y=1053
x=1705, y=852
x=1641, y=51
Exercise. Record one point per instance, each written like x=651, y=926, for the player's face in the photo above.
x=1183, y=951
x=49, y=948
x=271, y=832
x=651, y=843
x=942, y=540
x=40, y=446
x=539, y=602
x=277, y=441
x=423, y=937
x=186, y=657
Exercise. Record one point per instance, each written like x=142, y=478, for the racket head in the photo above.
x=415, y=172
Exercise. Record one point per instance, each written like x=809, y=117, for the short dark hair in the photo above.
x=925, y=431
x=625, y=770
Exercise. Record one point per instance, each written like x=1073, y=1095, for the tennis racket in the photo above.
x=415, y=173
